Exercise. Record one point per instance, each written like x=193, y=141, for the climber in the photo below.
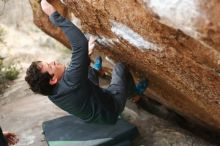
x=7, y=138
x=75, y=89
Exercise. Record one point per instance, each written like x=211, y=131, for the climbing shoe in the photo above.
x=141, y=87
x=98, y=63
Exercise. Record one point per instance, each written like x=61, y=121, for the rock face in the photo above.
x=182, y=65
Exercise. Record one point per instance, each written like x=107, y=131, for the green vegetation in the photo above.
x=9, y=72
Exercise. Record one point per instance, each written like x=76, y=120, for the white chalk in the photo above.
x=132, y=37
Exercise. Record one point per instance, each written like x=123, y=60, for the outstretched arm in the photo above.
x=92, y=40
x=78, y=68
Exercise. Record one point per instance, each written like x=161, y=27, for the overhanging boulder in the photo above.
x=183, y=72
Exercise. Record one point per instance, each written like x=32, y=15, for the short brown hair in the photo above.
x=38, y=81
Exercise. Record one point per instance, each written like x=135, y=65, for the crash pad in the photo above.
x=71, y=131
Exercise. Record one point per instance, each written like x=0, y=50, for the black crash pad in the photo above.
x=123, y=143
x=71, y=131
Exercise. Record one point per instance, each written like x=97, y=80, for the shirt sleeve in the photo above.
x=3, y=141
x=77, y=71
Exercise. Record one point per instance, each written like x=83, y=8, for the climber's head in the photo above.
x=42, y=76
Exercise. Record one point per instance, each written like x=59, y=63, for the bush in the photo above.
x=7, y=73
x=11, y=72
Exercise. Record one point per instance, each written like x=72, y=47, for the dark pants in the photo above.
x=121, y=87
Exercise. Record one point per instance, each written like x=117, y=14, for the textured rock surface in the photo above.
x=183, y=69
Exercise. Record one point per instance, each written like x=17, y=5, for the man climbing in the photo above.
x=75, y=89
